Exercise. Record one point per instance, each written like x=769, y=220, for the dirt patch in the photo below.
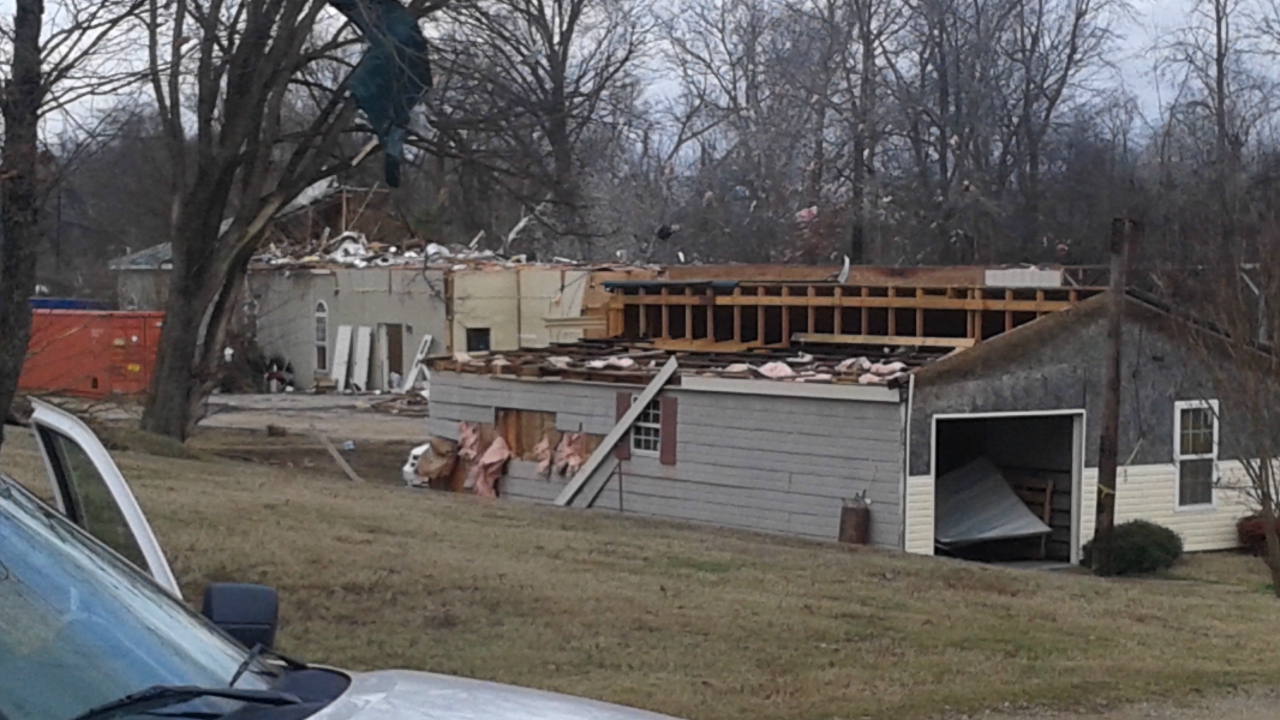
x=340, y=417
x=375, y=461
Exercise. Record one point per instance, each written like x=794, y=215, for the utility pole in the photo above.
x=1122, y=231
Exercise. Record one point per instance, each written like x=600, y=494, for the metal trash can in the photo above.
x=855, y=521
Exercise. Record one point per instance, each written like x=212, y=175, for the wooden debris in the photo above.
x=337, y=457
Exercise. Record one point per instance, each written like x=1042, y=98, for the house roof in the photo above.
x=1006, y=346
x=618, y=361
x=156, y=257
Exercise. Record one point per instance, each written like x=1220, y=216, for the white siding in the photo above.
x=1149, y=492
x=918, y=537
x=1088, y=503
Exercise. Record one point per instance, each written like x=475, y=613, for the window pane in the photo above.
x=322, y=357
x=478, y=340
x=1197, y=432
x=1195, y=482
x=92, y=500
x=322, y=330
x=646, y=433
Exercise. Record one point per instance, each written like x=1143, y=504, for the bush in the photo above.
x=1252, y=533
x=1138, y=547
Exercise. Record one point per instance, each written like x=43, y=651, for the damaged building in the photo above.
x=343, y=295
x=961, y=406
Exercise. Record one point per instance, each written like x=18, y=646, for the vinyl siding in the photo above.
x=771, y=464
x=1149, y=492
x=919, y=515
x=781, y=464
x=522, y=482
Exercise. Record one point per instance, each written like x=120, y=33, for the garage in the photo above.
x=1007, y=486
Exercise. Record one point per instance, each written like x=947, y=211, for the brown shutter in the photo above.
x=623, y=449
x=667, y=439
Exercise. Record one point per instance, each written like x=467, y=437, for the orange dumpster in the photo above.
x=91, y=353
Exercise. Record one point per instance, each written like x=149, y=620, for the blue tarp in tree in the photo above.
x=394, y=74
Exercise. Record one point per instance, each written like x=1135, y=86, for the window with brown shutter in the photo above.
x=667, y=435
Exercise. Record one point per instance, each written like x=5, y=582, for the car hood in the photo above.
x=407, y=695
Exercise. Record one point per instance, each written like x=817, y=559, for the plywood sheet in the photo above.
x=360, y=363
x=341, y=357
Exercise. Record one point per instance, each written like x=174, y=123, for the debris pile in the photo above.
x=639, y=365
x=410, y=405
x=350, y=249
x=353, y=249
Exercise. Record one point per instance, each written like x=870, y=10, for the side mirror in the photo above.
x=248, y=613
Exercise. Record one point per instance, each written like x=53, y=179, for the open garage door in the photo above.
x=1007, y=485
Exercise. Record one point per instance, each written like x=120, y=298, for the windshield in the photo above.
x=80, y=627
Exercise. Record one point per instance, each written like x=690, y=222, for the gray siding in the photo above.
x=1065, y=371
x=771, y=464
x=522, y=482
x=776, y=464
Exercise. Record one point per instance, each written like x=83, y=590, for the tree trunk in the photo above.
x=1273, y=553
x=175, y=385
x=20, y=219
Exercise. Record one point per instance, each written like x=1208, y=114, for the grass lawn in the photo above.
x=698, y=623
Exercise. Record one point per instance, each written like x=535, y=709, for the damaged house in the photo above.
x=343, y=295
x=961, y=406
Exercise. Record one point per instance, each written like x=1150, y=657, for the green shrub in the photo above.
x=1138, y=547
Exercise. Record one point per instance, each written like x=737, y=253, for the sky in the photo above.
x=1141, y=27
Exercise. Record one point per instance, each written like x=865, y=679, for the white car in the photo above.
x=93, y=625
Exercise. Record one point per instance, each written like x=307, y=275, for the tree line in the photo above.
x=895, y=132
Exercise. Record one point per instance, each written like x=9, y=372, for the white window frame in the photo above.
x=1178, y=457
x=322, y=313
x=655, y=406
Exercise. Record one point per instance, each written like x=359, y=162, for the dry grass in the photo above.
x=697, y=623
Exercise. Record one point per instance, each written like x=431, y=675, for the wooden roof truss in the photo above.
x=731, y=317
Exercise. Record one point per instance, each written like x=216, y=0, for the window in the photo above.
x=322, y=336
x=646, y=434
x=88, y=499
x=477, y=339
x=1195, y=450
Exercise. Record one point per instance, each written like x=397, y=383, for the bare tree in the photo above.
x=238, y=87
x=1220, y=97
x=526, y=88
x=50, y=65
x=1232, y=325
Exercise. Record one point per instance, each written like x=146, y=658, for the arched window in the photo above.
x=322, y=336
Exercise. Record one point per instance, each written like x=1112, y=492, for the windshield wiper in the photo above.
x=260, y=650
x=160, y=696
